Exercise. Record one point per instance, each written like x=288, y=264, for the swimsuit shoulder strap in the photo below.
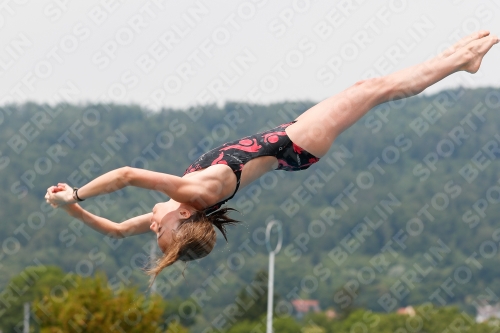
x=217, y=206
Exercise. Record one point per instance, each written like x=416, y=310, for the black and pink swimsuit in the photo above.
x=235, y=154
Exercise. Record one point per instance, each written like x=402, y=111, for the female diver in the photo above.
x=185, y=224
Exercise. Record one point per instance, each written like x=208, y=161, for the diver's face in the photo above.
x=166, y=218
x=164, y=221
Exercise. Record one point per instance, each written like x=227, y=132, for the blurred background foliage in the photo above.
x=45, y=144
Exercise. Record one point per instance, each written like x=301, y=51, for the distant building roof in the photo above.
x=487, y=311
x=306, y=305
x=409, y=311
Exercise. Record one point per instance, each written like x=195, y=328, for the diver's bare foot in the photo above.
x=475, y=51
x=464, y=41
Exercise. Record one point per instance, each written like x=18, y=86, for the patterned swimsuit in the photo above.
x=235, y=154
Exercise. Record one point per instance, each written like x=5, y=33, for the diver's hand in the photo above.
x=59, y=195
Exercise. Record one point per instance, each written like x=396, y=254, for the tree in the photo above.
x=252, y=299
x=172, y=312
x=33, y=282
x=247, y=326
x=286, y=325
x=317, y=320
x=280, y=325
x=92, y=307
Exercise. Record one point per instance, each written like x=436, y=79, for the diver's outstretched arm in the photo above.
x=177, y=188
x=134, y=226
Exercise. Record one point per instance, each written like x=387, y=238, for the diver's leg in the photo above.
x=317, y=128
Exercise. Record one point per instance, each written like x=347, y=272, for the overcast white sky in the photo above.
x=180, y=53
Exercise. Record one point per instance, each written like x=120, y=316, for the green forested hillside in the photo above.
x=403, y=210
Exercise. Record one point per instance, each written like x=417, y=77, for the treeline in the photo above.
x=406, y=200
x=61, y=302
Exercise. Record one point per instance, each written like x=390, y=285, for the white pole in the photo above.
x=152, y=254
x=270, y=293
x=270, y=288
x=26, y=324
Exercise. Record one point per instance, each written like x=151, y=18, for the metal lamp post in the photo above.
x=272, y=253
x=26, y=321
x=152, y=254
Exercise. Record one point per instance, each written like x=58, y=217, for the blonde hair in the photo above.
x=193, y=239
